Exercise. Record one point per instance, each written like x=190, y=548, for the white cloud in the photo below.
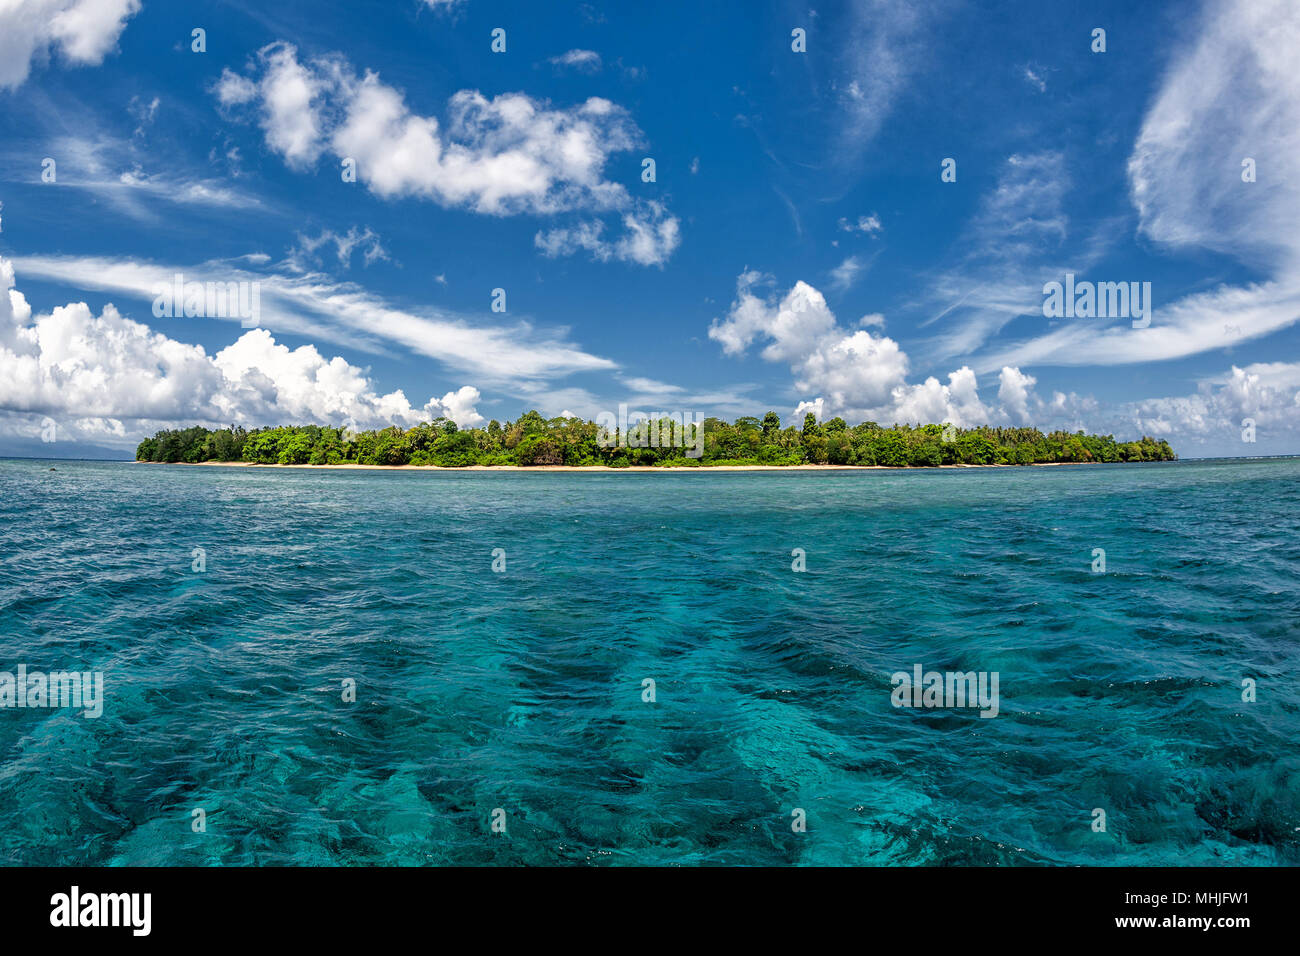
x=235, y=90
x=505, y=155
x=306, y=252
x=588, y=61
x=83, y=32
x=866, y=224
x=112, y=169
x=794, y=325
x=315, y=306
x=143, y=113
x=650, y=385
x=459, y=406
x=568, y=240
x=290, y=98
x=957, y=402
x=263, y=381
x=1266, y=393
x=884, y=45
x=846, y=273
x=499, y=156
x=104, y=370
x=1014, y=390
x=645, y=395
x=857, y=371
x=1014, y=243
x=1025, y=213
x=1189, y=326
x=651, y=236
x=862, y=376
x=1232, y=94
x=853, y=374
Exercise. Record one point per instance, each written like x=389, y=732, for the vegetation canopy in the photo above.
x=534, y=441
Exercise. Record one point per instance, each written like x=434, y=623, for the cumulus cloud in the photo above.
x=315, y=306
x=1014, y=388
x=118, y=377
x=852, y=373
x=794, y=324
x=958, y=402
x=82, y=32
x=505, y=155
x=650, y=237
x=459, y=406
x=1267, y=394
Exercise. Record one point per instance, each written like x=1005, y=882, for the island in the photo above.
x=535, y=441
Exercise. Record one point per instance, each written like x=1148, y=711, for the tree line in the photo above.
x=534, y=440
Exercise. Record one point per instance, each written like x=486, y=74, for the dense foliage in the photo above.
x=533, y=440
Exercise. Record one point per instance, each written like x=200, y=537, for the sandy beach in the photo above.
x=353, y=466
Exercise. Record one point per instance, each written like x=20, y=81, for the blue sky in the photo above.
x=797, y=250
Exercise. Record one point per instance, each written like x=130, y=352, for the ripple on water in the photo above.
x=524, y=691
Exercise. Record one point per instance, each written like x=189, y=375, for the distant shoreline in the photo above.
x=748, y=444
x=353, y=466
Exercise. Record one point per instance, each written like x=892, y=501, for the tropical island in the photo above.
x=534, y=441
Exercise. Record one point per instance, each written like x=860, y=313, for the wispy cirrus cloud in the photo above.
x=1232, y=96
x=118, y=172
x=111, y=377
x=846, y=273
x=309, y=251
x=883, y=46
x=318, y=307
x=1015, y=240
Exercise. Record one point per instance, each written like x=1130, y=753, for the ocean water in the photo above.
x=523, y=691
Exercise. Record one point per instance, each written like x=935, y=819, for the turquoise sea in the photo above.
x=522, y=690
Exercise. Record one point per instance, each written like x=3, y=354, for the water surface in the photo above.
x=523, y=690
